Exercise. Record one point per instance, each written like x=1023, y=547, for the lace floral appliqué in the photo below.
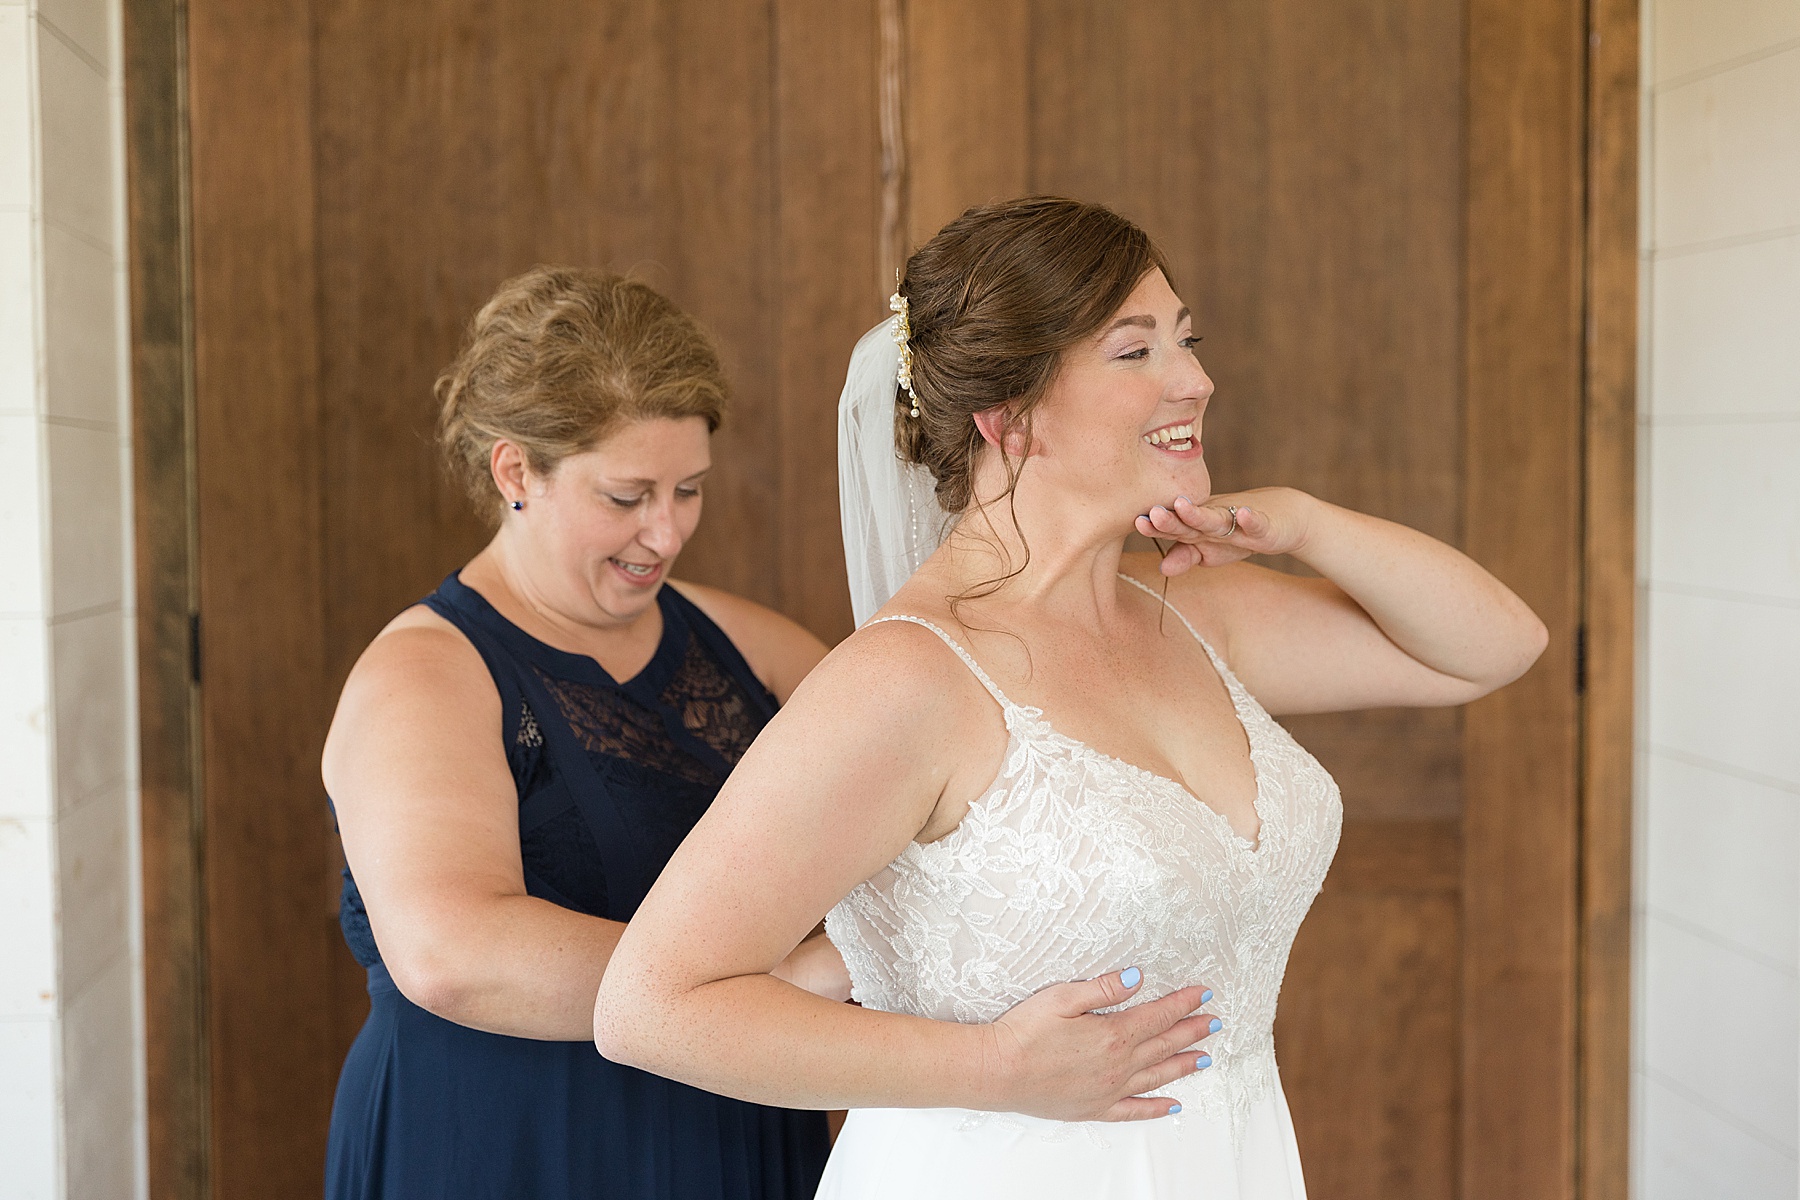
x=1074, y=864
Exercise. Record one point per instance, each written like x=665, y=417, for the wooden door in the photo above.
x=1375, y=208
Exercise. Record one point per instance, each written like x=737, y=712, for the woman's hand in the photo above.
x=816, y=966
x=1395, y=618
x=1054, y=1056
x=1230, y=527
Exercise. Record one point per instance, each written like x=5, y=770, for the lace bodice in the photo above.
x=1074, y=863
x=611, y=775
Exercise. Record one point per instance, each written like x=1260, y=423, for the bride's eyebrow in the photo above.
x=1143, y=321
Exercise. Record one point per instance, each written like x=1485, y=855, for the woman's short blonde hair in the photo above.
x=558, y=360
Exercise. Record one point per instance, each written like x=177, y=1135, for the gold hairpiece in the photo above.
x=902, y=338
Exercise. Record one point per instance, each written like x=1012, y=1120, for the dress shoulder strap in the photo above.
x=1145, y=588
x=968, y=659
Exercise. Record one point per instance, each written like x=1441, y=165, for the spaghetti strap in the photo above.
x=968, y=659
x=1212, y=654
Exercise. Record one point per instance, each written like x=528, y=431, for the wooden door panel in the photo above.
x=1377, y=972
x=1526, y=326
x=828, y=173
x=1393, y=764
x=968, y=121
x=263, y=705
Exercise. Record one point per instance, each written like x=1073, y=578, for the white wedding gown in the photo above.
x=1074, y=864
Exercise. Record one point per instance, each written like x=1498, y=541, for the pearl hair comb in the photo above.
x=902, y=338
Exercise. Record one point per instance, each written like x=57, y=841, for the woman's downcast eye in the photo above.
x=685, y=492
x=1143, y=352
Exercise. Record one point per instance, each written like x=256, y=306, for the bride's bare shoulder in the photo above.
x=903, y=651
x=896, y=665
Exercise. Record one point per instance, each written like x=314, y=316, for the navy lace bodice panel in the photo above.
x=610, y=776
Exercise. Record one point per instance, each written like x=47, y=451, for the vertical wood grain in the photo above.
x=1524, y=429
x=261, y=605
x=827, y=229
x=1609, y=601
x=968, y=111
x=1369, y=1031
x=892, y=95
x=176, y=1059
x=643, y=145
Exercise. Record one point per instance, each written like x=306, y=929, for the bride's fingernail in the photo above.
x=1131, y=977
x=1215, y=1026
x=1206, y=996
x=1173, y=1109
x=1203, y=1062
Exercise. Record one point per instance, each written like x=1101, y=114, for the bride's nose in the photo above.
x=1192, y=383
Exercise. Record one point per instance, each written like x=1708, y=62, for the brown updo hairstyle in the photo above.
x=559, y=359
x=993, y=302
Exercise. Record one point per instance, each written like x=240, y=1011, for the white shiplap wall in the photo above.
x=71, y=1046
x=1717, y=1054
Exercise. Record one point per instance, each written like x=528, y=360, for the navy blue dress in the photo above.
x=611, y=776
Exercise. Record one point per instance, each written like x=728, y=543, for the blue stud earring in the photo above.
x=517, y=505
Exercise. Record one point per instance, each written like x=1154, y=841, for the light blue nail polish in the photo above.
x=1131, y=977
x=1215, y=1026
x=1206, y=996
x=1173, y=1109
x=1203, y=1062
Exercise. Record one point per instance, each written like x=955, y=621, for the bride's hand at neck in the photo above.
x=1396, y=617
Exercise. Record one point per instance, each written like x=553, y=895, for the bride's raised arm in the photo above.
x=1395, y=617
x=853, y=768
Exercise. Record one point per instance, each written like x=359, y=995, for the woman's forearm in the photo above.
x=524, y=967
x=759, y=1039
x=1431, y=600
x=515, y=965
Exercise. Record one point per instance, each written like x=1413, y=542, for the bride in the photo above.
x=1045, y=759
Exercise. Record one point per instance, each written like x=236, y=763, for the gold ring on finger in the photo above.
x=1232, y=509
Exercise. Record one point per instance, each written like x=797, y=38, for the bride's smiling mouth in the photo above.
x=1176, y=440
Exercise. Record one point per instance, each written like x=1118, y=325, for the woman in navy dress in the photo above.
x=514, y=759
